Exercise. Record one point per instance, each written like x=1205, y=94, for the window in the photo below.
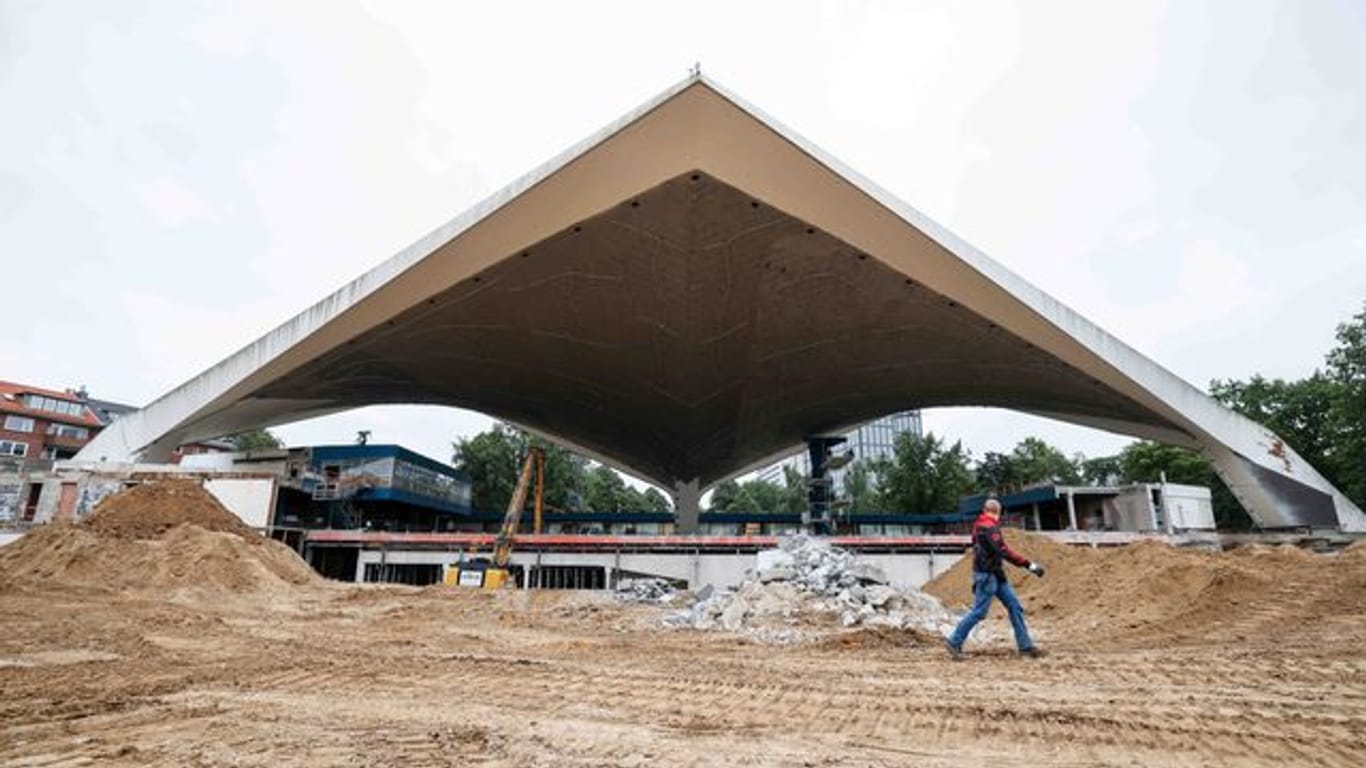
x=18, y=424
x=63, y=430
x=12, y=448
x=38, y=402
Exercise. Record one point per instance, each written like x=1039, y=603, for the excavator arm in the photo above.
x=502, y=548
x=493, y=573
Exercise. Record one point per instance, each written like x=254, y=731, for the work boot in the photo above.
x=1032, y=653
x=955, y=652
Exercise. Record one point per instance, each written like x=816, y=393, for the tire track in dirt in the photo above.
x=1284, y=729
x=413, y=678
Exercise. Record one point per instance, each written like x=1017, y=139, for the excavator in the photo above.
x=492, y=572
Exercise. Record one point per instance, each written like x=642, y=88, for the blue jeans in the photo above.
x=984, y=587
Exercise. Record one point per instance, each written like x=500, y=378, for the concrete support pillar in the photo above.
x=1038, y=525
x=687, y=507
x=1071, y=511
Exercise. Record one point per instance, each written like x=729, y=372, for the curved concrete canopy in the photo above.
x=692, y=291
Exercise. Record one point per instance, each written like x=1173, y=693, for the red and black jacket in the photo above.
x=989, y=548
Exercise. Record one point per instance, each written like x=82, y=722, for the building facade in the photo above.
x=873, y=440
x=43, y=424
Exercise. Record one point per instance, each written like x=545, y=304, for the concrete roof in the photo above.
x=689, y=293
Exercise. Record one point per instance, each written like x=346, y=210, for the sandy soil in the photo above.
x=267, y=671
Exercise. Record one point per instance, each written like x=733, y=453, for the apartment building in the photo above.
x=37, y=423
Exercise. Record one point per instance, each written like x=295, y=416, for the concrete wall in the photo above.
x=252, y=499
x=12, y=493
x=721, y=570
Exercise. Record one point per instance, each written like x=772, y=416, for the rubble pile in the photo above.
x=807, y=581
x=646, y=591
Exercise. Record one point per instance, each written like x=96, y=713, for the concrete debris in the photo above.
x=646, y=591
x=806, y=578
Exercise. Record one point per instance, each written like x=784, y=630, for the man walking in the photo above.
x=989, y=549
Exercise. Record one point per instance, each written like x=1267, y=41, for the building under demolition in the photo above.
x=651, y=298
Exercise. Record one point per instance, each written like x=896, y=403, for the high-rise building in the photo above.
x=873, y=440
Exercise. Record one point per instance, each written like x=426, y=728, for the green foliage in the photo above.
x=794, y=498
x=1302, y=412
x=1322, y=417
x=1146, y=462
x=756, y=496
x=1102, y=470
x=723, y=497
x=859, y=487
x=255, y=440
x=1347, y=367
x=923, y=476
x=605, y=491
x=655, y=502
x=751, y=497
x=493, y=459
x=1031, y=462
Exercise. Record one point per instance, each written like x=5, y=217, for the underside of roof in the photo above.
x=694, y=290
x=692, y=330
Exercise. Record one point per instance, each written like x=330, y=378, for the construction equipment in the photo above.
x=820, y=493
x=492, y=572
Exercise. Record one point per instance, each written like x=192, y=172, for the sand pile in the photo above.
x=187, y=540
x=808, y=583
x=148, y=510
x=1152, y=590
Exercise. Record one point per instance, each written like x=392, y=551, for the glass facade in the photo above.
x=422, y=481
x=386, y=473
x=872, y=440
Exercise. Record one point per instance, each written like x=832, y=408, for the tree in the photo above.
x=255, y=440
x=996, y=472
x=1039, y=462
x=1347, y=366
x=723, y=497
x=1032, y=461
x=759, y=497
x=794, y=498
x=1304, y=413
x=490, y=458
x=752, y=497
x=1102, y=470
x=1147, y=462
x=859, y=487
x=923, y=476
x=604, y=491
x=655, y=502
x=493, y=459
x=1322, y=417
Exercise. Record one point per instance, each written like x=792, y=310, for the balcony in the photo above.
x=51, y=440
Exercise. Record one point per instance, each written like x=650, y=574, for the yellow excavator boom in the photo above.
x=493, y=574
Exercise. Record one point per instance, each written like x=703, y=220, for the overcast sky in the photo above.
x=176, y=178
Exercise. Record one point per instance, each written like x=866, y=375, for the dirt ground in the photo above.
x=271, y=667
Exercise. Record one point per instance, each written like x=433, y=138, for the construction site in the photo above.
x=645, y=299
x=162, y=631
